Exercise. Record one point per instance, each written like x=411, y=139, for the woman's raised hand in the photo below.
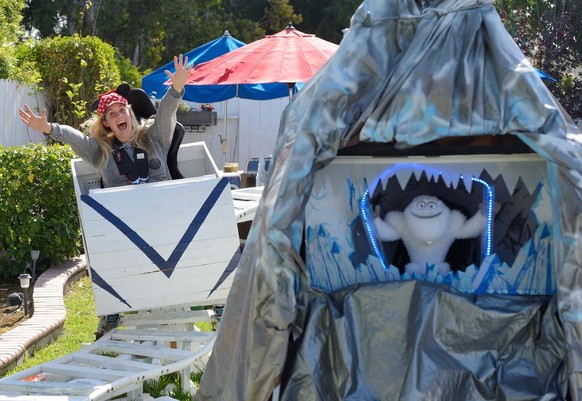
x=35, y=121
x=182, y=73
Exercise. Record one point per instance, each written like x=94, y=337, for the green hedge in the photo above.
x=38, y=209
x=73, y=70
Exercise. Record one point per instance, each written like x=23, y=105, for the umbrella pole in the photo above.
x=225, y=127
x=290, y=85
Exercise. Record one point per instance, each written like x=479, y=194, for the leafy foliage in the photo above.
x=127, y=71
x=167, y=29
x=26, y=73
x=547, y=33
x=278, y=14
x=170, y=385
x=6, y=62
x=37, y=207
x=326, y=18
x=10, y=17
x=73, y=71
x=48, y=18
x=147, y=32
x=163, y=29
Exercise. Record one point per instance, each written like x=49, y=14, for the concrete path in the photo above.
x=48, y=318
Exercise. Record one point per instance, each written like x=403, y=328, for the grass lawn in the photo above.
x=80, y=325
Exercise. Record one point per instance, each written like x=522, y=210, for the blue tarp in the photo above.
x=153, y=83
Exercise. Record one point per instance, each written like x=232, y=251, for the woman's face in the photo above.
x=118, y=118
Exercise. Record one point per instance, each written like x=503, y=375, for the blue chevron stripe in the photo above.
x=229, y=269
x=98, y=280
x=166, y=266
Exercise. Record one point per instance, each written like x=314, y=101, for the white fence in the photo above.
x=12, y=131
x=251, y=131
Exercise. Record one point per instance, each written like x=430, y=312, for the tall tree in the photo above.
x=55, y=17
x=133, y=27
x=271, y=15
x=150, y=32
x=278, y=14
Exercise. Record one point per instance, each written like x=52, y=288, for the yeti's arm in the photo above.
x=464, y=228
x=390, y=228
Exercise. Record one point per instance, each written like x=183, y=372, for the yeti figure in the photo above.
x=427, y=228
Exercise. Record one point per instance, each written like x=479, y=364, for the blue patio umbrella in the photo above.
x=153, y=83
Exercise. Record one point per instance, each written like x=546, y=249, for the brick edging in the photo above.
x=49, y=314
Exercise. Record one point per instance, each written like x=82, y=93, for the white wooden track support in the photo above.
x=145, y=346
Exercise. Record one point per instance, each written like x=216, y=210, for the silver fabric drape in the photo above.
x=409, y=71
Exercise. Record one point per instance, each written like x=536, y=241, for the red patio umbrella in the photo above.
x=289, y=56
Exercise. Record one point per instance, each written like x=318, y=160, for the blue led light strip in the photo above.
x=369, y=227
x=489, y=196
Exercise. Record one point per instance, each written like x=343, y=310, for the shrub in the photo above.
x=73, y=71
x=127, y=71
x=37, y=207
x=6, y=62
x=26, y=73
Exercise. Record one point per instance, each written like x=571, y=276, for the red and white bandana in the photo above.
x=107, y=99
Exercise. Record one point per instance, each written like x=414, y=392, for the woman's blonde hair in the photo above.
x=105, y=137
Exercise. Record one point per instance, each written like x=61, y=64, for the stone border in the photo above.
x=48, y=319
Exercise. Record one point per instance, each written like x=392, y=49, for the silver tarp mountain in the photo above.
x=409, y=72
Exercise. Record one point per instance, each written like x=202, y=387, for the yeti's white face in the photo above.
x=425, y=207
x=427, y=217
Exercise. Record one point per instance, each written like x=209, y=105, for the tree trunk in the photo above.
x=135, y=54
